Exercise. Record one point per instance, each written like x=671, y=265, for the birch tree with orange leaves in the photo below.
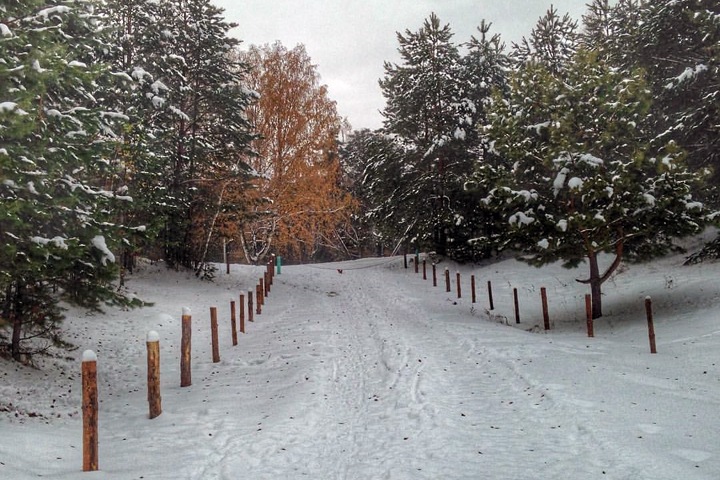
x=297, y=205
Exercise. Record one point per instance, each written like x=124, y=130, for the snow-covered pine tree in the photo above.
x=56, y=195
x=434, y=102
x=585, y=179
x=553, y=41
x=190, y=133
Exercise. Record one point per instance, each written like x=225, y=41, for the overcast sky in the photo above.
x=349, y=40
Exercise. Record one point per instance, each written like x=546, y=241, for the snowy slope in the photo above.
x=375, y=374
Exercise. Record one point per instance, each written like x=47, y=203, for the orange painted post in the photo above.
x=447, y=279
x=457, y=281
x=90, y=411
x=651, y=327
x=588, y=315
x=434, y=276
x=472, y=288
x=185, y=349
x=242, y=313
x=153, y=374
x=250, y=306
x=517, y=305
x=490, y=296
x=546, y=315
x=424, y=269
x=214, y=335
x=233, y=323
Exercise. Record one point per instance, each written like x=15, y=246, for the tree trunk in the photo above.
x=595, y=287
x=596, y=280
x=17, y=322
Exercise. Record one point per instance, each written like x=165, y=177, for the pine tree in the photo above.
x=585, y=178
x=56, y=190
x=190, y=135
x=553, y=42
x=434, y=104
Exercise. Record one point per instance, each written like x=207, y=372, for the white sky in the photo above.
x=349, y=40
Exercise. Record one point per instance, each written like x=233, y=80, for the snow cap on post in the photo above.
x=186, y=311
x=89, y=356
x=153, y=336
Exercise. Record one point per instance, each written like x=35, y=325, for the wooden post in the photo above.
x=457, y=281
x=242, y=313
x=185, y=349
x=588, y=315
x=267, y=284
x=214, y=335
x=258, y=300
x=90, y=411
x=517, y=305
x=490, y=296
x=153, y=373
x=472, y=288
x=651, y=327
x=434, y=276
x=250, y=305
x=261, y=289
x=424, y=269
x=447, y=279
x=417, y=263
x=405, y=259
x=546, y=316
x=233, y=322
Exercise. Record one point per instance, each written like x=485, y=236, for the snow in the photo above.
x=373, y=373
x=688, y=74
x=99, y=243
x=152, y=336
x=89, y=356
x=560, y=180
x=5, y=31
x=6, y=107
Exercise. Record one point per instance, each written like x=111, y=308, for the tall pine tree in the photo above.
x=56, y=188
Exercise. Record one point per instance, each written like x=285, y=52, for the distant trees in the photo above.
x=435, y=101
x=296, y=205
x=190, y=134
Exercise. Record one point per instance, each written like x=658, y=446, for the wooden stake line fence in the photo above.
x=185, y=349
x=250, y=306
x=490, y=295
x=651, y=326
x=588, y=315
x=233, y=323
x=546, y=316
x=214, y=335
x=153, y=374
x=90, y=411
x=242, y=313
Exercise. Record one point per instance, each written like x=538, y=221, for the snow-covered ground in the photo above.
x=374, y=374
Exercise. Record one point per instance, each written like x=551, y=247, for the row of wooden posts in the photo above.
x=89, y=362
x=543, y=299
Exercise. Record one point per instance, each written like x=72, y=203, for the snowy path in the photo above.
x=375, y=374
